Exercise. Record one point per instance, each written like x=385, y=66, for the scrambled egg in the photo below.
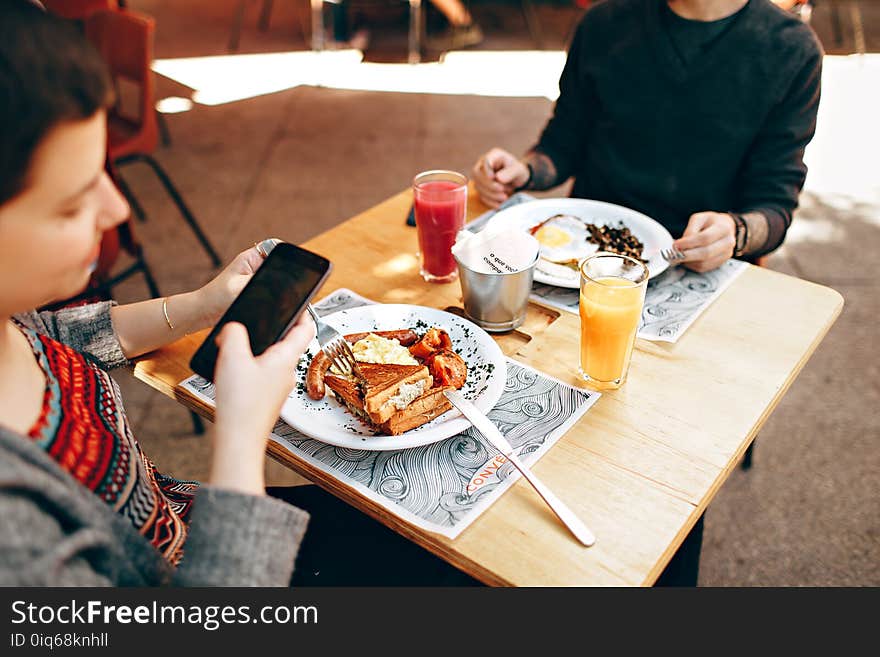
x=375, y=349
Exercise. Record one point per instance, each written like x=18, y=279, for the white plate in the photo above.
x=328, y=421
x=649, y=232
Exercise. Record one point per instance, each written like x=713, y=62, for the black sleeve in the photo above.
x=773, y=173
x=563, y=137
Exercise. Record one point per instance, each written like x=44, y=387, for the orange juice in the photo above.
x=610, y=310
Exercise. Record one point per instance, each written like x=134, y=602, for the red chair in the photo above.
x=77, y=11
x=125, y=41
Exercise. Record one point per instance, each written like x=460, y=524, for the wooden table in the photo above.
x=641, y=466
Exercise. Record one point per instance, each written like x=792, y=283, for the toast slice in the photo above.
x=391, y=388
x=347, y=391
x=393, y=399
x=422, y=409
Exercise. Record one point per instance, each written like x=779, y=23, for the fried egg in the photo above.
x=563, y=238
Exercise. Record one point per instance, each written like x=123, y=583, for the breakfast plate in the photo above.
x=328, y=421
x=568, y=239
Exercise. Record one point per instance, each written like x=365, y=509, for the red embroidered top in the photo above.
x=84, y=428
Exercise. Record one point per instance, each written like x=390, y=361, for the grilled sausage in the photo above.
x=315, y=375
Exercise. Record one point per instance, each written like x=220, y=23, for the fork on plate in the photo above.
x=334, y=345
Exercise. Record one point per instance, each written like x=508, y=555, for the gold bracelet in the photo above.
x=165, y=312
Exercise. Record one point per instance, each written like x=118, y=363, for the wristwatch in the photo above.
x=741, y=233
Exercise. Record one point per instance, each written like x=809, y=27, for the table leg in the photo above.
x=684, y=567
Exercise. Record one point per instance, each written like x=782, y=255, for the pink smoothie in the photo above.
x=440, y=210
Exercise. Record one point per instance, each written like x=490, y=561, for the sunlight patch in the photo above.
x=228, y=78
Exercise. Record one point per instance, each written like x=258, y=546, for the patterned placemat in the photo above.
x=445, y=486
x=673, y=300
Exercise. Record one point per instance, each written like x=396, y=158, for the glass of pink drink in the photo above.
x=440, y=199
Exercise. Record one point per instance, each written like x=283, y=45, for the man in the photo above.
x=694, y=112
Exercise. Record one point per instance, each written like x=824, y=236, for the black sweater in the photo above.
x=635, y=127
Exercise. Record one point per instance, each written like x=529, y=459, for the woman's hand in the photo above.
x=708, y=241
x=496, y=176
x=144, y=326
x=249, y=394
x=216, y=295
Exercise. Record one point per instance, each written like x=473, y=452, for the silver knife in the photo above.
x=491, y=433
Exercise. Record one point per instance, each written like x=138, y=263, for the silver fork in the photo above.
x=334, y=345
x=672, y=255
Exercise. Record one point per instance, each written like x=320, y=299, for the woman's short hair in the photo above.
x=49, y=73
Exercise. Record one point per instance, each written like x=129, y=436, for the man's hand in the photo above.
x=496, y=175
x=708, y=241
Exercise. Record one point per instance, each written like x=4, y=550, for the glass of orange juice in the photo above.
x=612, y=295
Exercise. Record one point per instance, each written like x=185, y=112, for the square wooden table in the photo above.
x=640, y=467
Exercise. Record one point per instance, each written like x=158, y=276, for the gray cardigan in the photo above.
x=56, y=532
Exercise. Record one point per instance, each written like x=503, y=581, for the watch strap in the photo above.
x=741, y=233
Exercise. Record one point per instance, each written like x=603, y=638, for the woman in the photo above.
x=81, y=505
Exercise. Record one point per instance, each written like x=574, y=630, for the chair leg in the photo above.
x=148, y=277
x=265, y=15
x=532, y=22
x=836, y=30
x=181, y=205
x=235, y=33
x=106, y=289
x=131, y=198
x=163, y=129
x=302, y=24
x=198, y=425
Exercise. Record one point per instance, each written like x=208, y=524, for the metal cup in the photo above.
x=496, y=302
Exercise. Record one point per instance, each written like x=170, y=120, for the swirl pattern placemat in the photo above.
x=445, y=486
x=673, y=301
